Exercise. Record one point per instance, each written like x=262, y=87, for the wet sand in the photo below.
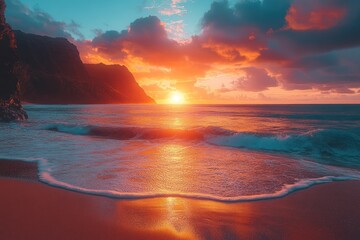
x=32, y=210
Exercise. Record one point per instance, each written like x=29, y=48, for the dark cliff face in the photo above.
x=56, y=74
x=8, y=81
x=116, y=84
x=10, y=67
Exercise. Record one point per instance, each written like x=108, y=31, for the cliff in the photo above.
x=10, y=68
x=56, y=75
x=115, y=82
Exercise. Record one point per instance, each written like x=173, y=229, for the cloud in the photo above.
x=173, y=11
x=265, y=14
x=314, y=15
x=299, y=26
x=333, y=71
x=167, y=7
x=146, y=38
x=176, y=8
x=35, y=21
x=245, y=25
x=324, y=26
x=301, y=41
x=290, y=44
x=176, y=29
x=264, y=45
x=255, y=80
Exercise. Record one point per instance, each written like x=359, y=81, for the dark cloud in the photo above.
x=326, y=26
x=265, y=14
x=336, y=71
x=255, y=80
x=306, y=44
x=38, y=22
x=315, y=62
x=300, y=26
x=111, y=44
x=300, y=41
x=146, y=38
x=244, y=25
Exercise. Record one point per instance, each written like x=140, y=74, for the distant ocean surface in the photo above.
x=216, y=152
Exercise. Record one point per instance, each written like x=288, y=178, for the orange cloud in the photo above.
x=258, y=56
x=314, y=16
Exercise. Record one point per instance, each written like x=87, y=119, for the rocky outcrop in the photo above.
x=56, y=75
x=116, y=84
x=12, y=111
x=50, y=71
x=10, y=69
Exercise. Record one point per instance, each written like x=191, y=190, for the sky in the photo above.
x=239, y=51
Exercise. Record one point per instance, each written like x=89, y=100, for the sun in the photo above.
x=177, y=98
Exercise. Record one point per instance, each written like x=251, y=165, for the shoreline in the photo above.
x=22, y=169
x=31, y=208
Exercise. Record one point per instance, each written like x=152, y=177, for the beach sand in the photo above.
x=32, y=210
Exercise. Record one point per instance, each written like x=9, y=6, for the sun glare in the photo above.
x=176, y=98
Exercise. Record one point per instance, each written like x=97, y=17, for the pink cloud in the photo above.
x=176, y=7
x=255, y=80
x=314, y=15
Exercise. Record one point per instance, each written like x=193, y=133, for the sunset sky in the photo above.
x=250, y=51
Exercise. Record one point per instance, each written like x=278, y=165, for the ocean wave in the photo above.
x=332, y=146
x=337, y=147
x=310, y=116
x=128, y=133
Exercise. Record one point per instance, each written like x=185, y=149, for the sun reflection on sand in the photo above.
x=303, y=215
x=178, y=215
x=183, y=218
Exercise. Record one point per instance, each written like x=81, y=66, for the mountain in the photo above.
x=116, y=82
x=47, y=70
x=10, y=67
x=55, y=74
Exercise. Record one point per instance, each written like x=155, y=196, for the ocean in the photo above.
x=224, y=153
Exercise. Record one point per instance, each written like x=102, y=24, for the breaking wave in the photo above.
x=128, y=133
x=329, y=146
x=337, y=147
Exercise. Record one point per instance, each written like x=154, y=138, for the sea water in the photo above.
x=217, y=152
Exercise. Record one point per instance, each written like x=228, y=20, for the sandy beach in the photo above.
x=32, y=210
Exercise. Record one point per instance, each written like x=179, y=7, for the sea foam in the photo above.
x=287, y=189
x=46, y=177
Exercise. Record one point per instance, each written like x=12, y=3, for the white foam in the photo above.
x=286, y=190
x=46, y=177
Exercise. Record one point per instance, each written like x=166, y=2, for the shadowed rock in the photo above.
x=10, y=68
x=116, y=84
x=56, y=75
x=50, y=71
